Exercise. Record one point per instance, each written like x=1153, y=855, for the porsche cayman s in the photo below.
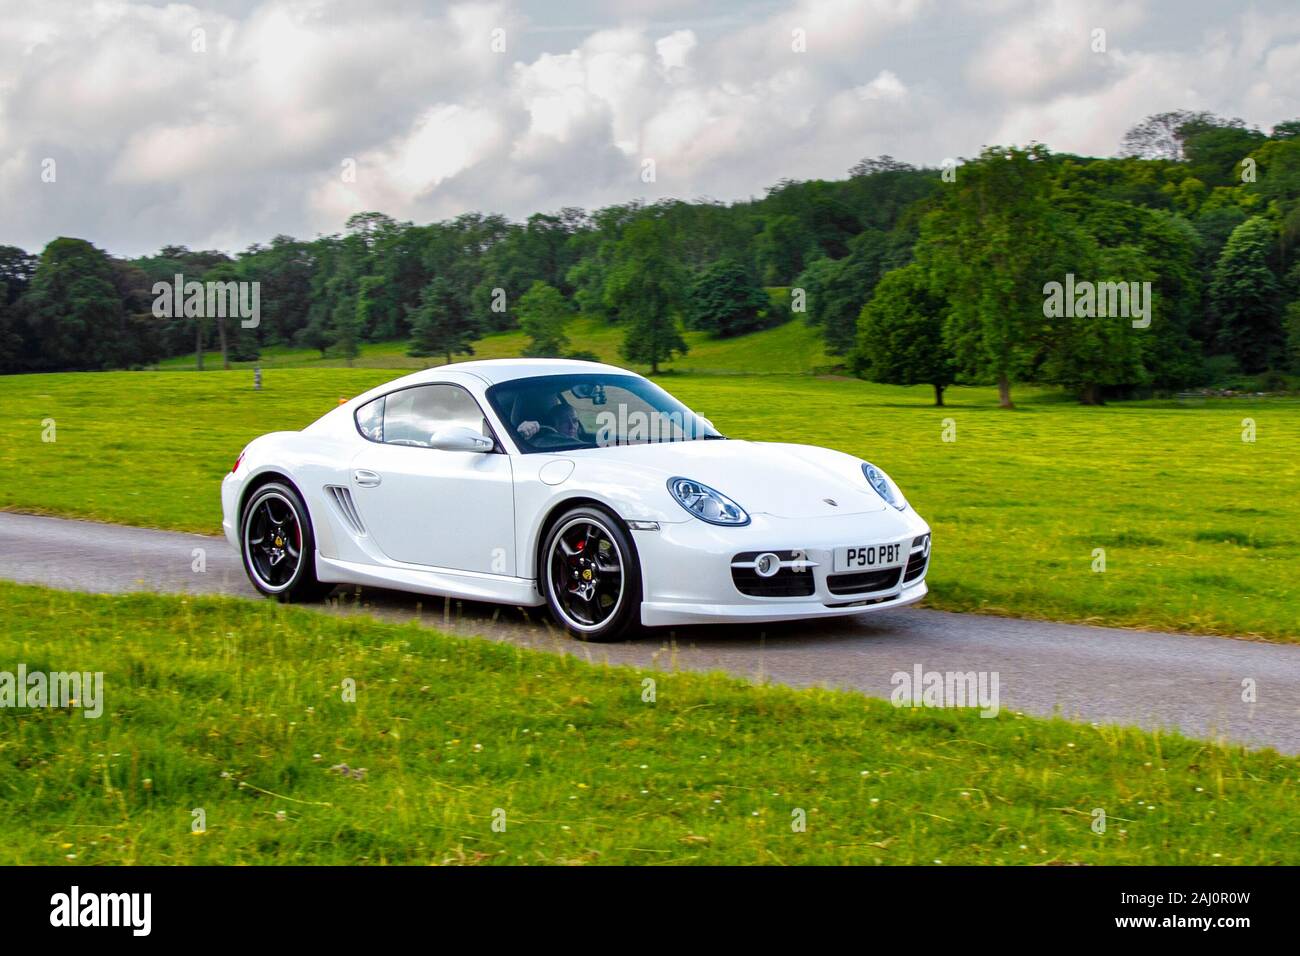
x=575, y=485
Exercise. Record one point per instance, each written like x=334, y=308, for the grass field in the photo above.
x=1199, y=528
x=237, y=708
x=794, y=347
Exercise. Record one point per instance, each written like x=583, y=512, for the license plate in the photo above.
x=868, y=557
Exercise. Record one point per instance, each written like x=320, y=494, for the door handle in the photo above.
x=366, y=479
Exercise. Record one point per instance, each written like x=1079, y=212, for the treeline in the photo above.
x=915, y=276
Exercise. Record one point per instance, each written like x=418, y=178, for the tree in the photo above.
x=442, y=324
x=75, y=314
x=901, y=338
x=16, y=268
x=1288, y=130
x=838, y=288
x=645, y=285
x=780, y=249
x=1292, y=326
x=1160, y=136
x=725, y=301
x=884, y=163
x=349, y=327
x=1090, y=352
x=222, y=273
x=11, y=340
x=284, y=271
x=542, y=315
x=1215, y=148
x=1244, y=292
x=142, y=345
x=990, y=245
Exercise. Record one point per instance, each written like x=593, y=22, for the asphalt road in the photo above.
x=1106, y=675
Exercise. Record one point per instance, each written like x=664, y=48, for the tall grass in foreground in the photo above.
x=237, y=709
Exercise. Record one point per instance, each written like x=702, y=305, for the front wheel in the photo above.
x=590, y=575
x=278, y=545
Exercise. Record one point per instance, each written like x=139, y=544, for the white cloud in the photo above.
x=157, y=143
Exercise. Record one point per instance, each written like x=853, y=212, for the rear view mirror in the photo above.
x=460, y=438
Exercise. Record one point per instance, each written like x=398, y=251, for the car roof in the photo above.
x=495, y=371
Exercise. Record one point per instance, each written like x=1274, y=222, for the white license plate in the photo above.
x=868, y=557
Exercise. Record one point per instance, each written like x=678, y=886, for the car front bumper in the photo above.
x=687, y=573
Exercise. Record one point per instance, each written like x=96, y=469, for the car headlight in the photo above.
x=884, y=486
x=707, y=504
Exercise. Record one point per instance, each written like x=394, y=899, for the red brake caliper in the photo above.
x=575, y=562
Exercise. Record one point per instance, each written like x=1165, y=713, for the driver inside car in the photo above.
x=531, y=411
x=565, y=421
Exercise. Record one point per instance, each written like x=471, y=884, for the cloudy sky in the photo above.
x=218, y=125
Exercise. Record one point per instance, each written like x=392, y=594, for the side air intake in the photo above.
x=342, y=499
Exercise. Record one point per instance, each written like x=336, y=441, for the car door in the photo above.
x=428, y=506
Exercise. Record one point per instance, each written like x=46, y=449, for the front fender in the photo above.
x=632, y=496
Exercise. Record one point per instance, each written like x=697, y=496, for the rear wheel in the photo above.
x=278, y=545
x=591, y=576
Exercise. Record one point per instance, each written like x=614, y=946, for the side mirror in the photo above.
x=460, y=438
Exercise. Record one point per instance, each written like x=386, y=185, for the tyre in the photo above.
x=278, y=545
x=590, y=575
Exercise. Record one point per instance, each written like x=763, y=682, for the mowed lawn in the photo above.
x=1199, y=528
x=239, y=715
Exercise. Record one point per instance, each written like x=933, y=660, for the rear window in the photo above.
x=370, y=419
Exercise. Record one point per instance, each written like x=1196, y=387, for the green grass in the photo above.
x=237, y=708
x=1198, y=527
x=794, y=347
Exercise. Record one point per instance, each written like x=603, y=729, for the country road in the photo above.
x=1106, y=675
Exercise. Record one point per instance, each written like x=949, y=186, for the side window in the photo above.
x=370, y=419
x=412, y=415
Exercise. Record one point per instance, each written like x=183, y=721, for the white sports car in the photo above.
x=576, y=485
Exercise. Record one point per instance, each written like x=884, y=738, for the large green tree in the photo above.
x=991, y=243
x=75, y=314
x=442, y=323
x=901, y=334
x=646, y=286
x=837, y=289
x=1245, y=296
x=725, y=301
x=781, y=248
x=542, y=316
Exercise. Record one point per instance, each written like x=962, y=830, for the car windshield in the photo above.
x=566, y=412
